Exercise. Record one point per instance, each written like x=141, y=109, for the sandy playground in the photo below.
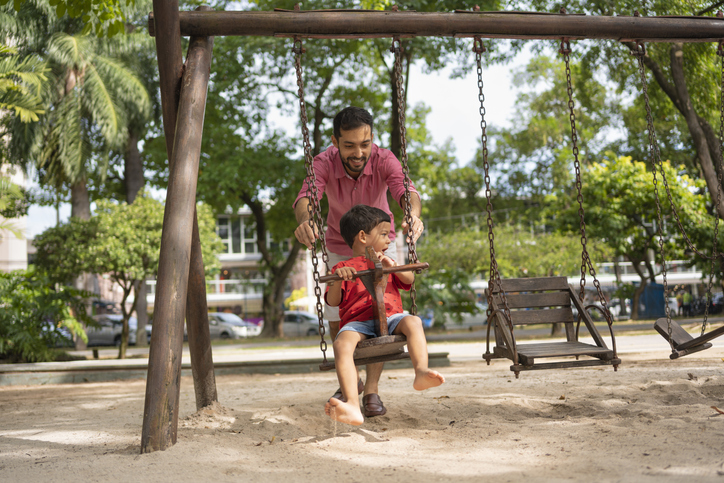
x=652, y=421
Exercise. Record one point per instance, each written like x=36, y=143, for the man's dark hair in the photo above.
x=360, y=218
x=351, y=118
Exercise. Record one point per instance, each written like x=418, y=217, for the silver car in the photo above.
x=230, y=326
x=110, y=330
x=298, y=323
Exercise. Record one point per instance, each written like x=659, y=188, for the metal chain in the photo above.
x=316, y=222
x=397, y=49
x=639, y=52
x=494, y=278
x=586, y=262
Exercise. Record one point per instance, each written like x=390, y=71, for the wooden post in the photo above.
x=170, y=66
x=197, y=320
x=160, y=419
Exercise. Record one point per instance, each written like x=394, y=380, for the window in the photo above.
x=250, y=236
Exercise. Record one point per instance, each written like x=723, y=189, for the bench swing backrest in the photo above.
x=544, y=300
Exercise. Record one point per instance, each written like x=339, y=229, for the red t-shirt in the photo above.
x=356, y=303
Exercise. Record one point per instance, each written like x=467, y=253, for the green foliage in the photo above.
x=620, y=208
x=122, y=242
x=34, y=316
x=21, y=80
x=102, y=17
x=445, y=293
x=519, y=251
x=14, y=203
x=535, y=155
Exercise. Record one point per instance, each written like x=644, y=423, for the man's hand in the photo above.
x=306, y=235
x=417, y=227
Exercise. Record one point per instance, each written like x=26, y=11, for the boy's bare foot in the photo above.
x=427, y=378
x=344, y=412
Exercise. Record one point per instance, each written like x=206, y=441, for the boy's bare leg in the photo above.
x=346, y=411
x=333, y=331
x=425, y=378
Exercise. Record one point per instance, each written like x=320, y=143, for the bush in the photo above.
x=35, y=316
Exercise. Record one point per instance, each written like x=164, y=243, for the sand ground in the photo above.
x=651, y=421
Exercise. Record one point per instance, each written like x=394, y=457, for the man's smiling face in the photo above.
x=355, y=147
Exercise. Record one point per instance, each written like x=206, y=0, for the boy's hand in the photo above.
x=347, y=273
x=386, y=261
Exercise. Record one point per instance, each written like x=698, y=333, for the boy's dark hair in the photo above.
x=360, y=218
x=351, y=118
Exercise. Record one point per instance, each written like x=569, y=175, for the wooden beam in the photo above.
x=160, y=419
x=509, y=25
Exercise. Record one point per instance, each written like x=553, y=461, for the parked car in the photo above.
x=110, y=330
x=478, y=319
x=298, y=323
x=230, y=326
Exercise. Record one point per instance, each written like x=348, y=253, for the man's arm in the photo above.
x=415, y=210
x=304, y=233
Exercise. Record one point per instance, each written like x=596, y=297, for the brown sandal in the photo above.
x=372, y=406
x=338, y=394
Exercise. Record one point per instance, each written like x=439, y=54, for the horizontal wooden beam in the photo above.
x=508, y=25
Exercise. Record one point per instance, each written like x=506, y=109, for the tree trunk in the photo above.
x=134, y=182
x=133, y=171
x=80, y=200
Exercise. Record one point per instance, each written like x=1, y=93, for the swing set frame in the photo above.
x=181, y=289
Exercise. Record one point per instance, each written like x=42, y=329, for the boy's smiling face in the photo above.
x=379, y=237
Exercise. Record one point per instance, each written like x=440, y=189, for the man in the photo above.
x=354, y=171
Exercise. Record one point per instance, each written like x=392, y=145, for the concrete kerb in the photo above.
x=112, y=370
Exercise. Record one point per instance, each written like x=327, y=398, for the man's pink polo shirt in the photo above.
x=382, y=171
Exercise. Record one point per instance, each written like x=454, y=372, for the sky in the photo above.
x=454, y=115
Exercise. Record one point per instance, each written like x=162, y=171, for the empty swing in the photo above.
x=681, y=342
x=387, y=347
x=543, y=300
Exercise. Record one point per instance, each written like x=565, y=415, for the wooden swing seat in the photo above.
x=544, y=300
x=387, y=347
x=683, y=342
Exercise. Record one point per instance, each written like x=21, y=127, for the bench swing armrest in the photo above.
x=513, y=345
x=609, y=321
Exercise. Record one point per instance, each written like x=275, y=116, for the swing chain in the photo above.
x=494, y=278
x=397, y=49
x=313, y=209
x=586, y=262
x=640, y=52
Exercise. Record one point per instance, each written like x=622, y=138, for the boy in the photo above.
x=364, y=226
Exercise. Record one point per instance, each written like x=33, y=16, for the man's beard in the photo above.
x=352, y=169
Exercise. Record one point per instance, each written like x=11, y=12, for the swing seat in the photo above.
x=684, y=344
x=544, y=300
x=377, y=349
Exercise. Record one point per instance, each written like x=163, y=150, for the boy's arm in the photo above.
x=334, y=289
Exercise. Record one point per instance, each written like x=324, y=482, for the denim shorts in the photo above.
x=368, y=327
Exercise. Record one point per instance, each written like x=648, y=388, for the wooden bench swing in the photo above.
x=386, y=347
x=681, y=342
x=545, y=300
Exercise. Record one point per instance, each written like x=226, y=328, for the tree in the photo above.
x=620, y=211
x=104, y=17
x=122, y=241
x=684, y=92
